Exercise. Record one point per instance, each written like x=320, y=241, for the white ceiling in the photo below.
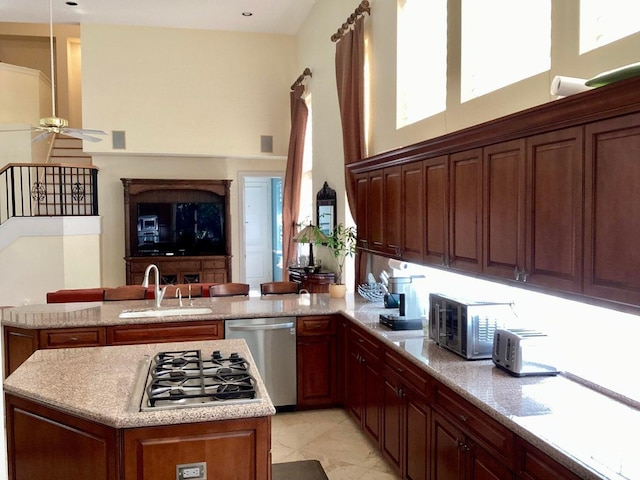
x=268, y=16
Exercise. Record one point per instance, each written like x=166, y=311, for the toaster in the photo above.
x=522, y=352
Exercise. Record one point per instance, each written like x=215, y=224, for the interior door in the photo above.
x=257, y=227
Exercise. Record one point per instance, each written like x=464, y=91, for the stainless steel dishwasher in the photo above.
x=272, y=342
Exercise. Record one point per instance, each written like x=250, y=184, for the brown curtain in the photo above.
x=293, y=177
x=350, y=80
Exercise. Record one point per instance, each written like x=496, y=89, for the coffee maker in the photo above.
x=409, y=315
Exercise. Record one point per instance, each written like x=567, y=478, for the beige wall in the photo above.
x=111, y=197
x=187, y=92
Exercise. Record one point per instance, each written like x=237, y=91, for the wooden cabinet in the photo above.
x=504, y=204
x=316, y=347
x=405, y=418
x=532, y=464
x=465, y=211
x=45, y=443
x=375, y=211
x=412, y=212
x=18, y=345
x=436, y=210
x=72, y=337
x=612, y=209
x=231, y=449
x=457, y=456
x=392, y=211
x=165, y=332
x=362, y=212
x=312, y=282
x=181, y=270
x=554, y=210
x=168, y=240
x=363, y=388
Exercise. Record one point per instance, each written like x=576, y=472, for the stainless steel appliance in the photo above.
x=272, y=342
x=466, y=327
x=409, y=315
x=187, y=378
x=523, y=352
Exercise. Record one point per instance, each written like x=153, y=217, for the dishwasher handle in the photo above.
x=267, y=326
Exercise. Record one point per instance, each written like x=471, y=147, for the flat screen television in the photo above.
x=180, y=228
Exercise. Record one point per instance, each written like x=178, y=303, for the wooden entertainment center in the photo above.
x=177, y=265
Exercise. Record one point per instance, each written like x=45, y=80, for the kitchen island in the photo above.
x=76, y=413
x=524, y=428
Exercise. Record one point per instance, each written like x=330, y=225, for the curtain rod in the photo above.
x=361, y=10
x=306, y=73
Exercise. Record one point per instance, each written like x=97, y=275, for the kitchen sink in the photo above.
x=164, y=312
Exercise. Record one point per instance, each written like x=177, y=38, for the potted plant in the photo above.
x=342, y=243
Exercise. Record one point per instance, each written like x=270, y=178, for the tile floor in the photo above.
x=331, y=437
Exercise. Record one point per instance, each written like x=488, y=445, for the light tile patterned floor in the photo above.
x=331, y=437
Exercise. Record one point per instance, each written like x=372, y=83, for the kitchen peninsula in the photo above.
x=425, y=407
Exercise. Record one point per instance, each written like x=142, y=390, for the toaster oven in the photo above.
x=466, y=327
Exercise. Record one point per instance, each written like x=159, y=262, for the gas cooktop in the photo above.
x=187, y=378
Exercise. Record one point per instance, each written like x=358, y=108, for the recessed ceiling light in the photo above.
x=71, y=4
x=246, y=14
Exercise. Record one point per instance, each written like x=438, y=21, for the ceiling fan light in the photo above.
x=56, y=122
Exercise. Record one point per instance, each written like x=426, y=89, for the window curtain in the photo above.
x=293, y=175
x=350, y=80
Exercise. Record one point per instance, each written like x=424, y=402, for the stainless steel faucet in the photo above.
x=179, y=296
x=158, y=292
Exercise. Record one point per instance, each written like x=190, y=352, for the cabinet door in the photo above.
x=481, y=465
x=362, y=208
x=436, y=210
x=354, y=385
x=554, y=223
x=465, y=215
x=612, y=210
x=418, y=418
x=375, y=211
x=19, y=344
x=532, y=464
x=165, y=332
x=504, y=202
x=412, y=212
x=392, y=218
x=447, y=450
x=72, y=337
x=393, y=422
x=316, y=367
x=372, y=397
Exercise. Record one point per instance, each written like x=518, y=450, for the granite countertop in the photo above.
x=580, y=427
x=103, y=384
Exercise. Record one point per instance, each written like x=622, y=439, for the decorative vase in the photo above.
x=337, y=290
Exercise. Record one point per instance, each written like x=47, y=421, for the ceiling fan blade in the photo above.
x=85, y=130
x=42, y=136
x=80, y=135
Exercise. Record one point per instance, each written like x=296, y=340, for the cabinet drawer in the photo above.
x=532, y=464
x=215, y=263
x=316, y=325
x=364, y=341
x=165, y=332
x=480, y=426
x=180, y=266
x=409, y=373
x=72, y=337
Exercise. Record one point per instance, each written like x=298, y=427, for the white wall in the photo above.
x=39, y=255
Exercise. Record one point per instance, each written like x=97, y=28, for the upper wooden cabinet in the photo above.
x=465, y=211
x=612, y=210
x=544, y=197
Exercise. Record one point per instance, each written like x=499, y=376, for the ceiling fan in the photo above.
x=56, y=125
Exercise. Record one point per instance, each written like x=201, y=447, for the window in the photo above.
x=421, y=60
x=503, y=42
x=602, y=23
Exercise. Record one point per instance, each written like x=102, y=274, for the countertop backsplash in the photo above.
x=592, y=343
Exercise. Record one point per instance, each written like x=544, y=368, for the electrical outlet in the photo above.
x=192, y=471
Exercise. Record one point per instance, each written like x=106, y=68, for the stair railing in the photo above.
x=46, y=189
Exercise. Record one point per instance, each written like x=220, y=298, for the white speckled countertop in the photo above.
x=102, y=384
x=590, y=433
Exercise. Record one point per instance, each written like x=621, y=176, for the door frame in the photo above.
x=242, y=177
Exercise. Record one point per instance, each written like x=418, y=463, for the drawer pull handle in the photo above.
x=361, y=340
x=462, y=418
x=74, y=339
